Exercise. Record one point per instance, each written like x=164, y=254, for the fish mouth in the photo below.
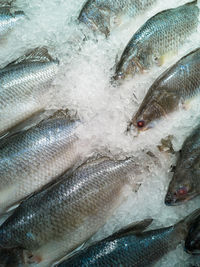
x=170, y=200
x=192, y=252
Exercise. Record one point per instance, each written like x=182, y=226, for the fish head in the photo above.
x=192, y=242
x=95, y=19
x=128, y=66
x=183, y=186
x=147, y=115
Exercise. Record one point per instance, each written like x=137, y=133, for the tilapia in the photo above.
x=185, y=183
x=55, y=221
x=8, y=18
x=133, y=247
x=97, y=14
x=192, y=242
x=24, y=87
x=171, y=90
x=32, y=158
x=159, y=38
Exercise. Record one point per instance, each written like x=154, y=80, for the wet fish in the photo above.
x=133, y=247
x=57, y=220
x=185, y=183
x=172, y=89
x=192, y=242
x=32, y=158
x=11, y=258
x=97, y=14
x=8, y=18
x=24, y=87
x=159, y=37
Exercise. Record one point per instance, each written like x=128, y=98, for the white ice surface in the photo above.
x=82, y=86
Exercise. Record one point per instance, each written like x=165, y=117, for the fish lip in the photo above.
x=192, y=252
x=177, y=202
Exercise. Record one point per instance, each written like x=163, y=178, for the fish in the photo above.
x=8, y=18
x=55, y=221
x=171, y=91
x=132, y=246
x=157, y=40
x=97, y=14
x=24, y=87
x=185, y=184
x=11, y=258
x=34, y=157
x=192, y=242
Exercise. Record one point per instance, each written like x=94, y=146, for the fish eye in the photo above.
x=182, y=191
x=140, y=124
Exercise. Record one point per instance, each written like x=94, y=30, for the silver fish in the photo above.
x=160, y=37
x=32, y=158
x=97, y=14
x=8, y=18
x=57, y=220
x=173, y=88
x=24, y=86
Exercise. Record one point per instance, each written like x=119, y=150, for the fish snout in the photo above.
x=192, y=247
x=169, y=199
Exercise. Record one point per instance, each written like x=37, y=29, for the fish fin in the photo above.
x=189, y=220
x=133, y=228
x=165, y=58
x=39, y=54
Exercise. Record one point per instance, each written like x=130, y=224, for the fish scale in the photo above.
x=33, y=158
x=161, y=35
x=97, y=14
x=72, y=209
x=25, y=84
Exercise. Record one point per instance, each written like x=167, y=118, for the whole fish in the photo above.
x=185, y=183
x=160, y=37
x=55, y=221
x=192, y=242
x=97, y=14
x=24, y=87
x=32, y=158
x=173, y=88
x=8, y=18
x=133, y=247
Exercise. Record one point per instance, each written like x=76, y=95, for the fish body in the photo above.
x=8, y=18
x=97, y=14
x=159, y=37
x=24, y=87
x=55, y=221
x=32, y=158
x=185, y=183
x=173, y=88
x=132, y=247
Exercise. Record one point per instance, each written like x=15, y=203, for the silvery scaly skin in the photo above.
x=192, y=242
x=133, y=247
x=8, y=18
x=96, y=14
x=159, y=37
x=173, y=88
x=185, y=183
x=55, y=221
x=32, y=158
x=24, y=87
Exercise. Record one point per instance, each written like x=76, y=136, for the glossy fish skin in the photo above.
x=174, y=87
x=185, y=183
x=8, y=18
x=192, y=242
x=96, y=14
x=24, y=87
x=32, y=158
x=55, y=221
x=160, y=36
x=132, y=248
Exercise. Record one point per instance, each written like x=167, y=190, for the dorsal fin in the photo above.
x=39, y=54
x=132, y=228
